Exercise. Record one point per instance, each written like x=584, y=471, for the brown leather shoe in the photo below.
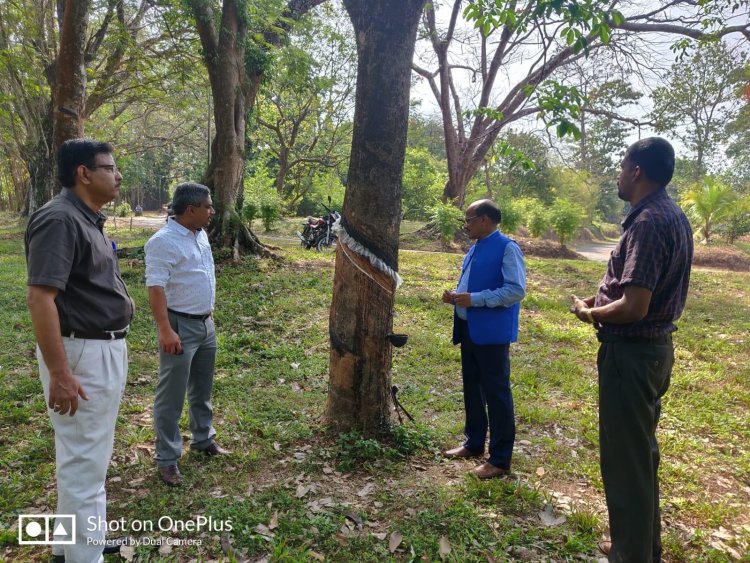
x=605, y=546
x=212, y=450
x=460, y=451
x=489, y=471
x=170, y=475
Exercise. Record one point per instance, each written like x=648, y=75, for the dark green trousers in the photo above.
x=633, y=376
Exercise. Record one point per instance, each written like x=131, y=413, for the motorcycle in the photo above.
x=317, y=232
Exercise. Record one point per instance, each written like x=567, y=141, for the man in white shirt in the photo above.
x=181, y=291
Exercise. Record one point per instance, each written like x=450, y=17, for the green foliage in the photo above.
x=565, y=218
x=736, y=221
x=261, y=199
x=447, y=219
x=123, y=210
x=701, y=99
x=355, y=452
x=511, y=216
x=520, y=160
x=536, y=216
x=560, y=106
x=707, y=203
x=423, y=180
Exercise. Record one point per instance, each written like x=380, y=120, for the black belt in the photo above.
x=189, y=316
x=95, y=335
x=607, y=337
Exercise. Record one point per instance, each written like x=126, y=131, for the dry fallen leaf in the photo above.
x=540, y=471
x=379, y=535
x=165, y=549
x=395, y=541
x=274, y=523
x=445, y=547
x=302, y=490
x=127, y=552
x=366, y=490
x=548, y=518
x=316, y=555
x=263, y=530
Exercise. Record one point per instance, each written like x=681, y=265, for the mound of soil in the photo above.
x=721, y=257
x=426, y=240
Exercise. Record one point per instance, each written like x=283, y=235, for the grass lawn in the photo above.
x=294, y=492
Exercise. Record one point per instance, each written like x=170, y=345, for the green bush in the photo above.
x=447, y=218
x=537, y=218
x=511, y=217
x=261, y=200
x=250, y=212
x=565, y=218
x=123, y=210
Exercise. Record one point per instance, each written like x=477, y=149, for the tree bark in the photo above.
x=362, y=307
x=234, y=91
x=70, y=90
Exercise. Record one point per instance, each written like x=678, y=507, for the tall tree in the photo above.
x=363, y=296
x=304, y=108
x=70, y=88
x=235, y=67
x=700, y=99
x=481, y=88
x=113, y=67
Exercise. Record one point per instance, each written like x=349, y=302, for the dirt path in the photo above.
x=596, y=251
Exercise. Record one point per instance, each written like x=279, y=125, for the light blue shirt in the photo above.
x=513, y=289
x=181, y=262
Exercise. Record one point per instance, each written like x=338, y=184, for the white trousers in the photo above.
x=84, y=441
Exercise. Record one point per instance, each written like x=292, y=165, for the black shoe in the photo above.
x=113, y=545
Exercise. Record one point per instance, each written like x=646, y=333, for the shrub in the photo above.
x=447, y=218
x=250, y=212
x=511, y=216
x=565, y=218
x=537, y=218
x=123, y=210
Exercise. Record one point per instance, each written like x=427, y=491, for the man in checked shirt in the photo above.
x=181, y=291
x=640, y=297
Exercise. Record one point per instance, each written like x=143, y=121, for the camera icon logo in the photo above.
x=46, y=529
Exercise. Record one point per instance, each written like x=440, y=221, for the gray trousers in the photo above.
x=191, y=372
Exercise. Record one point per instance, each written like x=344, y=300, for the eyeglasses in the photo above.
x=209, y=207
x=111, y=168
x=468, y=220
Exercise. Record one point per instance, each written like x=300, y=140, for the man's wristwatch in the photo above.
x=589, y=315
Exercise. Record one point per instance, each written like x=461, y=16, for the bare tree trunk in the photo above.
x=362, y=307
x=70, y=92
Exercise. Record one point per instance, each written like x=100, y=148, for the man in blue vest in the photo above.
x=487, y=305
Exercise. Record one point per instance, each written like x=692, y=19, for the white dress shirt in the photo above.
x=181, y=262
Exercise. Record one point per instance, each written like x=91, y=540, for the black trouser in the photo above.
x=633, y=376
x=488, y=400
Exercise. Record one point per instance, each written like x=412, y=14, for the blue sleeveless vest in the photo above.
x=488, y=325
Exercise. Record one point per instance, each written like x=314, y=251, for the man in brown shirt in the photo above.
x=640, y=297
x=80, y=310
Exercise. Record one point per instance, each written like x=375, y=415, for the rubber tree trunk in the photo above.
x=70, y=88
x=362, y=308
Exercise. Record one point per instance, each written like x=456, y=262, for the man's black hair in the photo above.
x=75, y=152
x=188, y=193
x=489, y=208
x=655, y=156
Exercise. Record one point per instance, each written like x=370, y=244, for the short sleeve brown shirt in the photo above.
x=66, y=248
x=654, y=252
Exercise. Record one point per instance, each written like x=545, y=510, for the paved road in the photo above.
x=596, y=251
